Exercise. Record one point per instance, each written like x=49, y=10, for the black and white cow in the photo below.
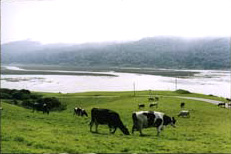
x=221, y=104
x=184, y=113
x=153, y=99
x=146, y=119
x=141, y=106
x=107, y=117
x=77, y=111
x=153, y=104
x=84, y=113
x=41, y=107
x=80, y=112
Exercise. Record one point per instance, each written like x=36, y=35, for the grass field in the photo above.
x=208, y=130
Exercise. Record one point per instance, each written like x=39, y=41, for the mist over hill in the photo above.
x=153, y=52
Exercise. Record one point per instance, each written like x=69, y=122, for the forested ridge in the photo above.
x=153, y=52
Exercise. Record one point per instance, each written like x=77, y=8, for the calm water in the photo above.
x=206, y=82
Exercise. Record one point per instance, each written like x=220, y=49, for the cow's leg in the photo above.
x=159, y=129
x=114, y=130
x=96, y=127
x=111, y=129
x=133, y=129
x=91, y=124
x=140, y=130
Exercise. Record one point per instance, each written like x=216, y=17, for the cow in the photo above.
x=80, y=112
x=184, y=113
x=146, y=119
x=107, y=117
x=77, y=111
x=153, y=104
x=153, y=99
x=141, y=106
x=41, y=107
x=229, y=100
x=83, y=113
x=221, y=104
x=182, y=104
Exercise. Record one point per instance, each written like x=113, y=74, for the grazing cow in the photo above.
x=221, y=104
x=77, y=111
x=107, y=117
x=141, y=106
x=156, y=98
x=182, y=104
x=41, y=107
x=184, y=113
x=80, y=112
x=146, y=119
x=228, y=99
x=153, y=99
x=153, y=104
x=83, y=113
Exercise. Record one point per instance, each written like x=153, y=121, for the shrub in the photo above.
x=27, y=103
x=52, y=103
x=35, y=96
x=20, y=95
x=5, y=96
x=181, y=91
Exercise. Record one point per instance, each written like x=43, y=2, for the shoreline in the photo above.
x=93, y=71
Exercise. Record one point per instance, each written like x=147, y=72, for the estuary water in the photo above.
x=213, y=82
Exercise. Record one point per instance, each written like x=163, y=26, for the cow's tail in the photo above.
x=135, y=120
x=92, y=116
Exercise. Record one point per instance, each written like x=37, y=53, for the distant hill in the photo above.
x=154, y=52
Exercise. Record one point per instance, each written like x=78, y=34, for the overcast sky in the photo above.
x=79, y=21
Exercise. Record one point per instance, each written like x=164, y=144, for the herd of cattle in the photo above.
x=141, y=119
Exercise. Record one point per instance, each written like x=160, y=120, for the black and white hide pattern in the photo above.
x=84, y=113
x=80, y=112
x=41, y=107
x=151, y=99
x=107, y=117
x=221, y=104
x=147, y=119
x=141, y=106
x=153, y=104
x=184, y=113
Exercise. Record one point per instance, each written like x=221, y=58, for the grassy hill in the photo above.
x=206, y=131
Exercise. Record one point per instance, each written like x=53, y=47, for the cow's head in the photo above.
x=173, y=121
x=125, y=130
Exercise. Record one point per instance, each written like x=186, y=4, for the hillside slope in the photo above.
x=156, y=52
x=206, y=131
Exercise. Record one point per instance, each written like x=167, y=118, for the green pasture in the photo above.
x=208, y=130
